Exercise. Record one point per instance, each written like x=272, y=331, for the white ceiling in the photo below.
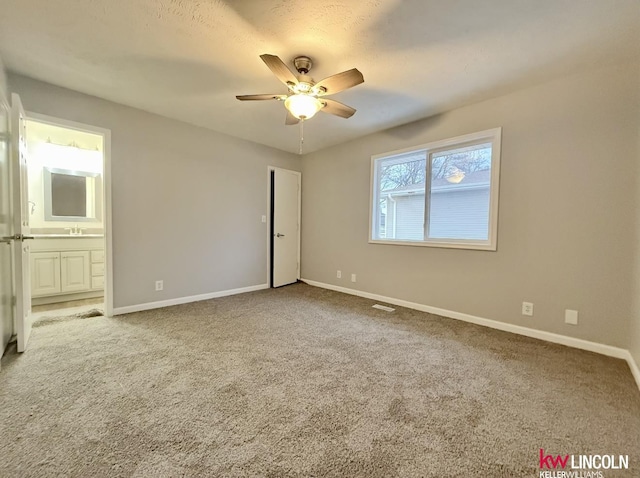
x=188, y=59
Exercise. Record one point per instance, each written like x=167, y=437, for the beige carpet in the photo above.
x=301, y=381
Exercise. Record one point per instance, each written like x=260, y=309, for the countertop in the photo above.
x=66, y=236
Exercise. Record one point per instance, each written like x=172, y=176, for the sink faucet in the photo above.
x=75, y=230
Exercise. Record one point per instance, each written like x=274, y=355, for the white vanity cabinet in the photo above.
x=64, y=269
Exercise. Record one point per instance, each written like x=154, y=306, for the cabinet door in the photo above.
x=45, y=273
x=75, y=271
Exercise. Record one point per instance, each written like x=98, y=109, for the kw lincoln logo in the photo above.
x=580, y=466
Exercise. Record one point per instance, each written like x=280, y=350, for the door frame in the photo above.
x=106, y=194
x=269, y=218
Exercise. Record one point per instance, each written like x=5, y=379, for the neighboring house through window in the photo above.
x=442, y=194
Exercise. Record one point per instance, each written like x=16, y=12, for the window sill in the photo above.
x=446, y=245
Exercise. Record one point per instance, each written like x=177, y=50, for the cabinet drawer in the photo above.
x=97, y=256
x=97, y=282
x=97, y=269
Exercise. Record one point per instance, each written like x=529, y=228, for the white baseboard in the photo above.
x=494, y=324
x=635, y=369
x=185, y=300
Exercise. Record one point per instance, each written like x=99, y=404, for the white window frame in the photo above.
x=493, y=136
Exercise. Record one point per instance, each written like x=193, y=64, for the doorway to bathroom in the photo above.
x=66, y=208
x=285, y=196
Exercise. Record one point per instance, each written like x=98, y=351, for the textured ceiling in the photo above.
x=188, y=59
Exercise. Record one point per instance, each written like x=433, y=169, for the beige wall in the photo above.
x=634, y=341
x=565, y=238
x=187, y=202
x=3, y=81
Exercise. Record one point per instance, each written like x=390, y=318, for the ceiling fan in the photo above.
x=306, y=97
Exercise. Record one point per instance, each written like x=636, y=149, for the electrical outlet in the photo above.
x=339, y=274
x=571, y=317
x=527, y=309
x=353, y=277
x=159, y=285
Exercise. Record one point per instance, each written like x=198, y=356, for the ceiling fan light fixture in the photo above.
x=303, y=106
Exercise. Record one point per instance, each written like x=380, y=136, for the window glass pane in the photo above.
x=401, y=194
x=460, y=193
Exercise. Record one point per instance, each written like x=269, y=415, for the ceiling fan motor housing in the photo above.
x=303, y=64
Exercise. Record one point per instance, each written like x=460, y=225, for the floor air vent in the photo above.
x=383, y=307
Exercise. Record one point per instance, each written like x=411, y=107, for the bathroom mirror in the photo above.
x=72, y=195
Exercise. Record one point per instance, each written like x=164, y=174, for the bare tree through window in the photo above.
x=401, y=175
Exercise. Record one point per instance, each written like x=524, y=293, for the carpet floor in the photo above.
x=301, y=381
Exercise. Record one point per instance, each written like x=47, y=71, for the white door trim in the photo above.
x=269, y=232
x=4, y=102
x=106, y=193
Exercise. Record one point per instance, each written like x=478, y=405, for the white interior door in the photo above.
x=21, y=229
x=285, y=227
x=6, y=228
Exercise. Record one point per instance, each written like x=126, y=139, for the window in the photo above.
x=441, y=194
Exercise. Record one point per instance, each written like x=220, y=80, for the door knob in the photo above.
x=279, y=235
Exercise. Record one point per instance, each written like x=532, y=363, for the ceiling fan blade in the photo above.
x=291, y=119
x=337, y=108
x=277, y=66
x=260, y=97
x=340, y=82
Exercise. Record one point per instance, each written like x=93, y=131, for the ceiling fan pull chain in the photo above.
x=301, y=135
